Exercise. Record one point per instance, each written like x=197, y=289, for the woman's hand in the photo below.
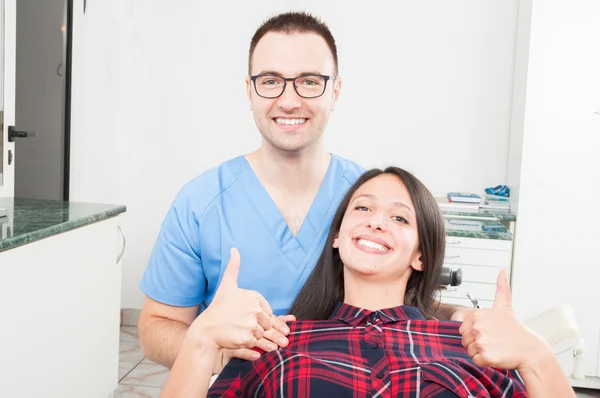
x=236, y=318
x=495, y=337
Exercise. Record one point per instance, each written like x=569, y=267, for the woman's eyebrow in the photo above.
x=395, y=203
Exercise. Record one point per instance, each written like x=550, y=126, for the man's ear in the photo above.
x=417, y=263
x=249, y=91
x=337, y=87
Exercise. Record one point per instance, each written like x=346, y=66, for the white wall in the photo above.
x=159, y=97
x=517, y=119
x=98, y=170
x=556, y=247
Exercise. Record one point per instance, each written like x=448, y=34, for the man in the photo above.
x=275, y=205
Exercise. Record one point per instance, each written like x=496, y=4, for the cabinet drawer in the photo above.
x=489, y=258
x=478, y=274
x=475, y=243
x=465, y=302
x=481, y=291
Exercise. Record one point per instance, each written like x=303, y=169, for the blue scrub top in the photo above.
x=227, y=207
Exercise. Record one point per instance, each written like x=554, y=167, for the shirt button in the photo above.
x=380, y=375
x=375, y=345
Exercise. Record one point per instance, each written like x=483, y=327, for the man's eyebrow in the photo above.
x=269, y=72
x=275, y=73
x=370, y=196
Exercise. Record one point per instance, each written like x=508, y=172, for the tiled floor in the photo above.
x=141, y=378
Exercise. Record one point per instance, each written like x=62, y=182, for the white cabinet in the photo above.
x=481, y=260
x=598, y=356
x=60, y=311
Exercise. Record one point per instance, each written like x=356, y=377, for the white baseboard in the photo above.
x=130, y=316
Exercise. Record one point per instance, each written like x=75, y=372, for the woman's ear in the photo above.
x=336, y=243
x=417, y=263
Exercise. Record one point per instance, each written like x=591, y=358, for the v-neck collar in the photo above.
x=295, y=247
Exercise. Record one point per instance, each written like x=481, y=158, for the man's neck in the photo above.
x=293, y=172
x=372, y=294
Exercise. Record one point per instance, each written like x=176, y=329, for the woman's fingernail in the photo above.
x=285, y=330
x=255, y=355
x=271, y=346
x=283, y=341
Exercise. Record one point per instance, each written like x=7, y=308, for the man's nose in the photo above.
x=289, y=99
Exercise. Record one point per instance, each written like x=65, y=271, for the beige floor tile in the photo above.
x=125, y=367
x=130, y=351
x=125, y=391
x=147, y=374
x=129, y=333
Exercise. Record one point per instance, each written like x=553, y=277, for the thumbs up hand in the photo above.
x=236, y=318
x=502, y=298
x=495, y=337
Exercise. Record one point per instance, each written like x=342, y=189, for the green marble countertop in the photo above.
x=480, y=234
x=30, y=220
x=484, y=213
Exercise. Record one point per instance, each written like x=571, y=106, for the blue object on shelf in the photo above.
x=499, y=190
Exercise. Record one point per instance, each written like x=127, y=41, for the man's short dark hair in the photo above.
x=294, y=22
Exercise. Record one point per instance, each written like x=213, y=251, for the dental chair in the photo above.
x=558, y=327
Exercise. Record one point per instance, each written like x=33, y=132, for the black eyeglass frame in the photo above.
x=286, y=79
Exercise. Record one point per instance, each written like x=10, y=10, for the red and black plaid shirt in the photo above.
x=358, y=353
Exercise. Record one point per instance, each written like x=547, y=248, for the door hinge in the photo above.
x=9, y=157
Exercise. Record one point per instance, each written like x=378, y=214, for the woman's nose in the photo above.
x=377, y=221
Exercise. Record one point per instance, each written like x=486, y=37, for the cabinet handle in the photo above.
x=453, y=242
x=452, y=256
x=120, y=255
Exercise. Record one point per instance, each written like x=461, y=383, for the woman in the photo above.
x=366, y=318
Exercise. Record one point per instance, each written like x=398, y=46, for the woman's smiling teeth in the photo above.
x=281, y=120
x=373, y=245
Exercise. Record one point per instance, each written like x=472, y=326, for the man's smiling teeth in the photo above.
x=373, y=245
x=281, y=120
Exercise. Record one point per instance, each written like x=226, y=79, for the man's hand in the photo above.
x=495, y=337
x=272, y=340
x=237, y=318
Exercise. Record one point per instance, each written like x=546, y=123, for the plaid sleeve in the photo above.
x=519, y=390
x=503, y=382
x=229, y=381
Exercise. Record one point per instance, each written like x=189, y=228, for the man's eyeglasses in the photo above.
x=306, y=86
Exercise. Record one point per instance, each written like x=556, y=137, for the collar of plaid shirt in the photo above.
x=393, y=352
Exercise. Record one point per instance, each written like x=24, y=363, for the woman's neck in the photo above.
x=372, y=293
